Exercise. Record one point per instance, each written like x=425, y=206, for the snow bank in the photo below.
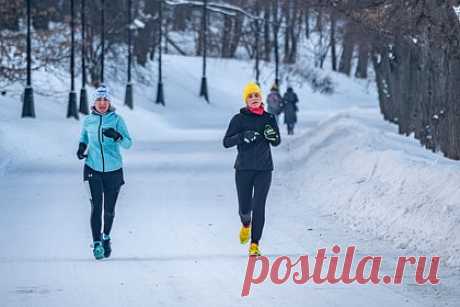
x=357, y=168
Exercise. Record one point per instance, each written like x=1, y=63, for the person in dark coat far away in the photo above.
x=290, y=109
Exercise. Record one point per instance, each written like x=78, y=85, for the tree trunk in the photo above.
x=226, y=36
x=267, y=31
x=363, y=60
x=236, y=36
x=333, y=43
x=307, y=21
x=286, y=11
x=348, y=48
x=145, y=41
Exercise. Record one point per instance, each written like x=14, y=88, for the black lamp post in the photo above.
x=277, y=60
x=160, y=95
x=72, y=110
x=83, y=94
x=204, y=83
x=129, y=85
x=257, y=56
x=257, y=39
x=102, y=39
x=28, y=108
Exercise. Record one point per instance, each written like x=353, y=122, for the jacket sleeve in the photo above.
x=233, y=136
x=281, y=100
x=274, y=124
x=84, y=134
x=296, y=100
x=284, y=99
x=126, y=141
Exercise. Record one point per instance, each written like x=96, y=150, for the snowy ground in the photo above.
x=346, y=178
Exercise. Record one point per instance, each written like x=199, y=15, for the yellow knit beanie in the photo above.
x=251, y=88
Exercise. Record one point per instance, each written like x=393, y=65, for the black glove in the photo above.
x=270, y=134
x=81, y=151
x=112, y=133
x=250, y=136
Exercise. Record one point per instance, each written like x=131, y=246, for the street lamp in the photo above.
x=276, y=44
x=102, y=39
x=204, y=83
x=257, y=40
x=129, y=85
x=257, y=55
x=160, y=95
x=84, y=109
x=72, y=106
x=28, y=108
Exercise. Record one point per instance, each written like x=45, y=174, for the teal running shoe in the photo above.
x=98, y=250
x=106, y=245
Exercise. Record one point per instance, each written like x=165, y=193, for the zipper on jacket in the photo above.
x=99, y=134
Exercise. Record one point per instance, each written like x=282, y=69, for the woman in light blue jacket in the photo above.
x=102, y=134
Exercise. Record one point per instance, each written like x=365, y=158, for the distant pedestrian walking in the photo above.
x=290, y=109
x=275, y=102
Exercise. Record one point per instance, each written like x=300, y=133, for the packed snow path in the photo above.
x=175, y=235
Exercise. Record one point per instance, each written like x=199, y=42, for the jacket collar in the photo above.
x=246, y=111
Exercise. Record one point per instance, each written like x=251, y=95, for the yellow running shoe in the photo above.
x=245, y=233
x=254, y=250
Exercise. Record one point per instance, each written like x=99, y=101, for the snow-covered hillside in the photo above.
x=346, y=177
x=381, y=183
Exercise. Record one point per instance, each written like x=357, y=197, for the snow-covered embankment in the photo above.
x=357, y=168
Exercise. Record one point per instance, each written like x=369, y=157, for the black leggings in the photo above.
x=104, y=189
x=252, y=188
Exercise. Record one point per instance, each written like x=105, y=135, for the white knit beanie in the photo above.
x=102, y=92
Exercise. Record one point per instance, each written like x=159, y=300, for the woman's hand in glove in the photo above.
x=81, y=151
x=112, y=133
x=250, y=136
x=270, y=134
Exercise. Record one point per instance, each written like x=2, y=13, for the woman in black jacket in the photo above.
x=252, y=130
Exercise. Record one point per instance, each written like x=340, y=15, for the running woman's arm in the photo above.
x=83, y=145
x=274, y=124
x=84, y=134
x=125, y=141
x=233, y=136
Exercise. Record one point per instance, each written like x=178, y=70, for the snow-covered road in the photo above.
x=175, y=236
